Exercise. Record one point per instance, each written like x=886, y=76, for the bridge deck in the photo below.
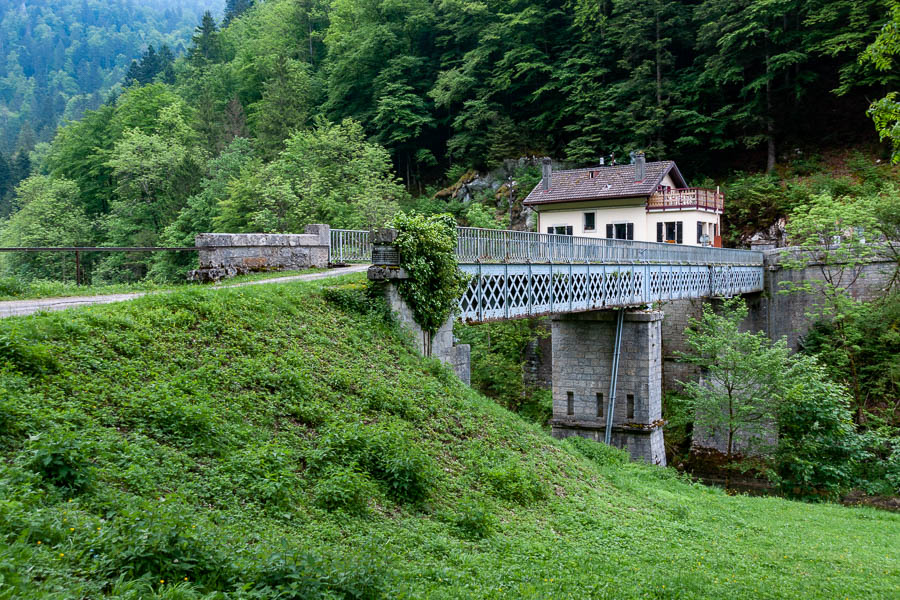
x=520, y=274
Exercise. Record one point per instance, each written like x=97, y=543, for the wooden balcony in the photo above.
x=687, y=199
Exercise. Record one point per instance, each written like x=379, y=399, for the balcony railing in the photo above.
x=687, y=198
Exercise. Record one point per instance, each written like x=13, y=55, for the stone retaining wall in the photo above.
x=224, y=255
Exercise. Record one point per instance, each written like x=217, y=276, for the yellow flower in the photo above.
x=39, y=542
x=185, y=578
x=61, y=554
x=162, y=580
x=71, y=529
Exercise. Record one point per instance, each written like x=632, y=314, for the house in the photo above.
x=644, y=201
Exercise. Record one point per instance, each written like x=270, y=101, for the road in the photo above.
x=17, y=308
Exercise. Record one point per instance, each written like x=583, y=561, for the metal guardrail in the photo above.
x=350, y=245
x=498, y=246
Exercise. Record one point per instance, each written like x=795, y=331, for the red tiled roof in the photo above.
x=607, y=182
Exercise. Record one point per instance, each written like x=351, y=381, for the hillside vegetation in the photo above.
x=285, y=442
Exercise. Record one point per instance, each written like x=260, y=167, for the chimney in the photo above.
x=639, y=167
x=547, y=172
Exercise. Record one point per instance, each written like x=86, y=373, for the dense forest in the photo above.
x=217, y=138
x=61, y=58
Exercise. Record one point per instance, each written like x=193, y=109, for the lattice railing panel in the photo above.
x=503, y=291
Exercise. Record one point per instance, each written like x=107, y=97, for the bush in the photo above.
x=343, y=488
x=385, y=453
x=474, y=519
x=27, y=358
x=61, y=459
x=294, y=575
x=427, y=247
x=361, y=298
x=600, y=454
x=818, y=448
x=510, y=481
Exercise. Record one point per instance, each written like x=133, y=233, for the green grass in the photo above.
x=13, y=289
x=264, y=443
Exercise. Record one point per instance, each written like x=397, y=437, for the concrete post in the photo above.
x=582, y=360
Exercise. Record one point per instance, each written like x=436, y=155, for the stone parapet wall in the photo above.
x=224, y=255
x=782, y=314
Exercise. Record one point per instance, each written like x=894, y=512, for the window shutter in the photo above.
x=699, y=233
x=659, y=232
x=630, y=231
x=550, y=230
x=679, y=232
x=568, y=230
x=609, y=230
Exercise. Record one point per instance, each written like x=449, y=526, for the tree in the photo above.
x=741, y=378
x=338, y=177
x=202, y=210
x=48, y=215
x=818, y=448
x=835, y=235
x=886, y=111
x=235, y=8
x=205, y=43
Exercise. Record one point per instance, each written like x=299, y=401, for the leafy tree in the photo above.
x=154, y=172
x=338, y=177
x=818, y=449
x=201, y=209
x=48, y=215
x=741, y=379
x=886, y=111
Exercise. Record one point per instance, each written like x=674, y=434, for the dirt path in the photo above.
x=16, y=308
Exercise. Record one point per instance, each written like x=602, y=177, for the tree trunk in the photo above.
x=658, y=82
x=770, y=120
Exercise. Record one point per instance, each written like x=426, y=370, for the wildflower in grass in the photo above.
x=61, y=554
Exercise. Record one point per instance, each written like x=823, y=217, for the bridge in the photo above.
x=523, y=274
x=607, y=361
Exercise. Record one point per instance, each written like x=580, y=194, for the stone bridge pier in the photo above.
x=583, y=351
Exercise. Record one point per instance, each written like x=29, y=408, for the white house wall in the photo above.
x=623, y=211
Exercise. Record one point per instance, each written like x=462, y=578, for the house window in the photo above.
x=560, y=230
x=590, y=221
x=671, y=232
x=620, y=231
x=699, y=233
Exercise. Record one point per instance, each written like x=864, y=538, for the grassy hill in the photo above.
x=284, y=442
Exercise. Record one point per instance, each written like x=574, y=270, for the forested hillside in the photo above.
x=59, y=58
x=287, y=111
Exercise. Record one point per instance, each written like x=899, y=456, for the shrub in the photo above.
x=474, y=519
x=27, y=358
x=510, y=481
x=360, y=298
x=427, y=248
x=61, y=459
x=601, y=454
x=818, y=449
x=12, y=286
x=161, y=540
x=385, y=453
x=294, y=574
x=343, y=488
